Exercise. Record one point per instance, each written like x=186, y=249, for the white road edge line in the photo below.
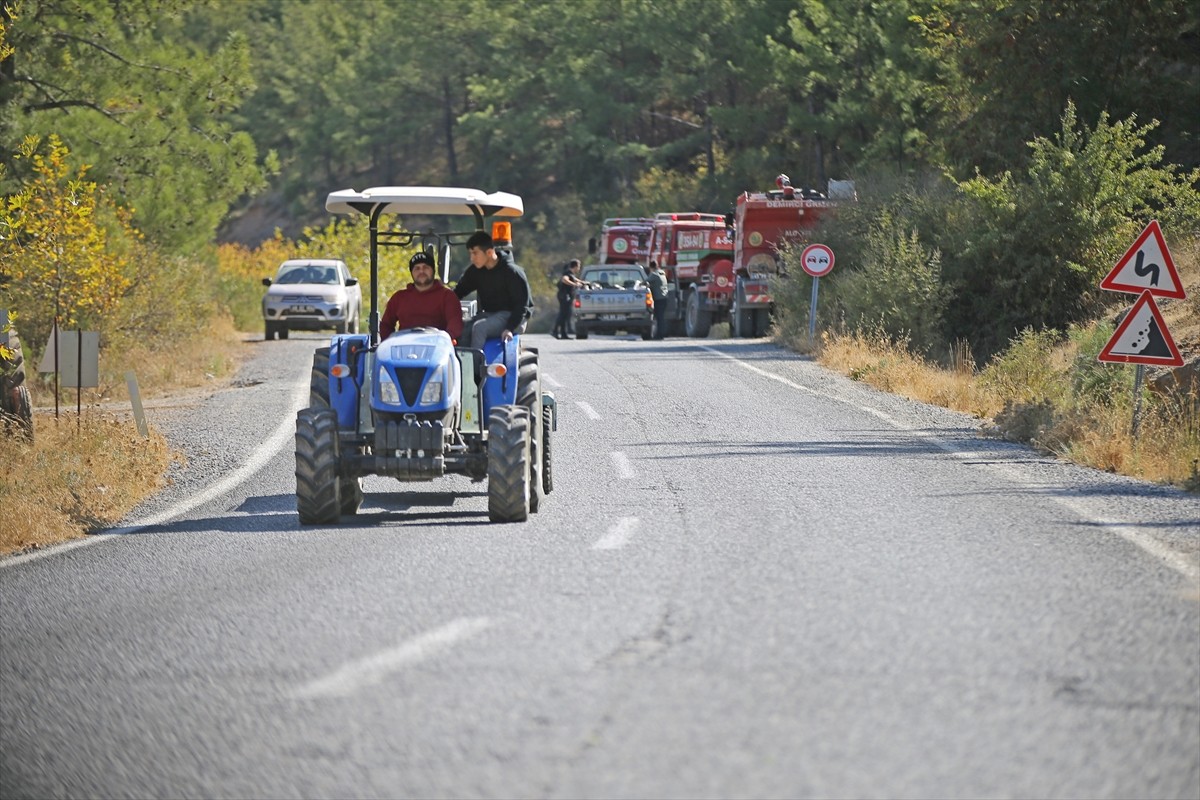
x=355, y=675
x=1177, y=561
x=587, y=409
x=618, y=535
x=625, y=470
x=258, y=459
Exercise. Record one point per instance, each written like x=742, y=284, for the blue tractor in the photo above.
x=415, y=406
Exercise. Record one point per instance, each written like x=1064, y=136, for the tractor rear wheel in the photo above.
x=547, y=469
x=529, y=395
x=508, y=464
x=318, y=382
x=318, y=487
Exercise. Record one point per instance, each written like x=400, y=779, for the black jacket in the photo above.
x=504, y=287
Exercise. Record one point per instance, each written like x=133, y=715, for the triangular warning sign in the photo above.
x=1142, y=338
x=1146, y=267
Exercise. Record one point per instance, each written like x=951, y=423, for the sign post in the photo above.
x=1142, y=338
x=817, y=260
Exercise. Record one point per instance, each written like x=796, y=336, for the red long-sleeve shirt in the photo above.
x=436, y=307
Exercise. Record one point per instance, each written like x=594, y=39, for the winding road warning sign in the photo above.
x=1146, y=267
x=1142, y=338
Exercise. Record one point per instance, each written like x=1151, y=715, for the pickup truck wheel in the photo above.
x=269, y=333
x=318, y=488
x=318, y=382
x=581, y=331
x=697, y=321
x=648, y=332
x=529, y=395
x=283, y=331
x=508, y=464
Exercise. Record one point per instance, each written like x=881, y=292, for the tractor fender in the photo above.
x=344, y=393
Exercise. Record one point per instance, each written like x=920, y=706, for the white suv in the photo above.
x=311, y=294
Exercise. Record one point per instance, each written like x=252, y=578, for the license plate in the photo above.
x=612, y=317
x=301, y=310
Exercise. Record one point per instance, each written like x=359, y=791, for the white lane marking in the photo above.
x=548, y=378
x=369, y=671
x=618, y=535
x=624, y=468
x=587, y=409
x=258, y=459
x=1177, y=561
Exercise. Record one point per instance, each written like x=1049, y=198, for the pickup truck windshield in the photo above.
x=613, y=278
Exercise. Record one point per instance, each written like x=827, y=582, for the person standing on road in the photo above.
x=424, y=302
x=656, y=278
x=568, y=284
x=505, y=300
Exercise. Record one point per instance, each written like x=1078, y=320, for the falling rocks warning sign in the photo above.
x=1142, y=338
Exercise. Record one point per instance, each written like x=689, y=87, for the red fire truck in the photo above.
x=765, y=221
x=623, y=240
x=719, y=267
x=696, y=251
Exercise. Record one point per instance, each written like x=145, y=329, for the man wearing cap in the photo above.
x=505, y=300
x=426, y=302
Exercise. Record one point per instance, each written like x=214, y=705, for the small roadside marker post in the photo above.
x=135, y=399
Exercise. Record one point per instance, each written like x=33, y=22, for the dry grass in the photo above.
x=84, y=474
x=890, y=367
x=1167, y=449
x=78, y=475
x=180, y=364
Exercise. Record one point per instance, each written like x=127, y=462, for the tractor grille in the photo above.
x=410, y=380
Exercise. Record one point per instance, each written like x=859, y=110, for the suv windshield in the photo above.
x=309, y=274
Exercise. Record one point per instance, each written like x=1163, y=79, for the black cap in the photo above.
x=420, y=258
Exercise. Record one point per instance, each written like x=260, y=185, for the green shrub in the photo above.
x=1095, y=382
x=897, y=287
x=1025, y=373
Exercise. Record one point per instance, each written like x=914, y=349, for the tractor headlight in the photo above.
x=388, y=392
x=432, y=393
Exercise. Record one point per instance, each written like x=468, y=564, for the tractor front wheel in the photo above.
x=509, y=484
x=318, y=487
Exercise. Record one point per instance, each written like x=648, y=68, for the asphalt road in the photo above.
x=754, y=578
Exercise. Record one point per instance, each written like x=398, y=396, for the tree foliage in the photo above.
x=55, y=249
x=125, y=89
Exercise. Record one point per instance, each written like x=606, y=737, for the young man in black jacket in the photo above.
x=505, y=300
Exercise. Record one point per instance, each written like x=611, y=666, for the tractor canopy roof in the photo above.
x=425, y=201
